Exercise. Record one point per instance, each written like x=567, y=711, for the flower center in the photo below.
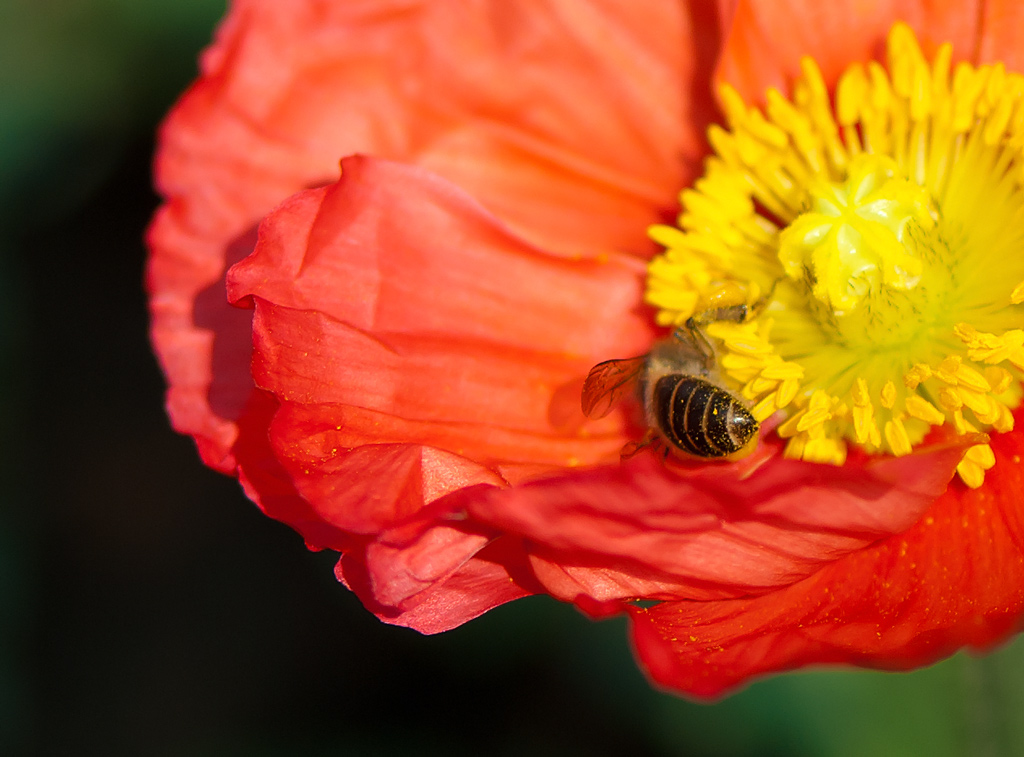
x=879, y=244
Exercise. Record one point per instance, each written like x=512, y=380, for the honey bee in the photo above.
x=685, y=400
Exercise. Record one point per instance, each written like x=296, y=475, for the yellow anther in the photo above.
x=813, y=418
x=980, y=403
x=825, y=450
x=917, y=376
x=864, y=426
x=794, y=448
x=920, y=408
x=947, y=370
x=998, y=378
x=888, y=395
x=733, y=107
x=850, y=95
x=995, y=84
x=967, y=86
x=744, y=344
x=1004, y=422
x=667, y=236
x=729, y=294
x=990, y=416
x=940, y=71
x=982, y=455
x=765, y=408
x=970, y=378
x=788, y=428
x=991, y=349
x=861, y=398
x=758, y=386
x=741, y=367
x=967, y=333
x=910, y=74
x=897, y=438
x=813, y=79
x=950, y=399
x=782, y=371
x=972, y=475
x=787, y=392
x=975, y=462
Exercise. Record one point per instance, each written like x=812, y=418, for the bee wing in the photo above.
x=607, y=382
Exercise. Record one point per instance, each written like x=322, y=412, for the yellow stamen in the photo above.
x=920, y=408
x=885, y=230
x=896, y=436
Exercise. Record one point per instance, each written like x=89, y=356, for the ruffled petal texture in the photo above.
x=476, y=91
x=390, y=307
x=417, y=348
x=955, y=578
x=711, y=532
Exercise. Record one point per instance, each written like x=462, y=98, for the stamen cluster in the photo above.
x=886, y=230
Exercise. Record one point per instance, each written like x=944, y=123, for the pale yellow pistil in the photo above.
x=887, y=235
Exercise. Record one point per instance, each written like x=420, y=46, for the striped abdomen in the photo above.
x=699, y=418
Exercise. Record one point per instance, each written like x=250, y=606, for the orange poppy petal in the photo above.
x=767, y=39
x=477, y=91
x=267, y=483
x=955, y=578
x=716, y=531
x=369, y=330
x=480, y=583
x=999, y=38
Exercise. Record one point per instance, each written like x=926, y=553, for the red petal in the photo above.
x=955, y=578
x=384, y=347
x=1001, y=22
x=475, y=90
x=267, y=483
x=395, y=249
x=370, y=330
x=767, y=39
x=712, y=531
x=475, y=587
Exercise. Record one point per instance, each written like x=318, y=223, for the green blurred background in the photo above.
x=147, y=608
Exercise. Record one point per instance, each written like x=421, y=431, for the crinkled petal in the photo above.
x=474, y=90
x=391, y=308
x=599, y=579
x=267, y=483
x=391, y=248
x=414, y=348
x=487, y=579
x=955, y=578
x=713, y=531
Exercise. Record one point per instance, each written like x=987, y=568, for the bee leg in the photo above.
x=726, y=306
x=695, y=336
x=632, y=448
x=739, y=313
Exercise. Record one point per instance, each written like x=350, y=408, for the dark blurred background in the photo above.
x=147, y=608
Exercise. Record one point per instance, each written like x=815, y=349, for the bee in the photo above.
x=685, y=400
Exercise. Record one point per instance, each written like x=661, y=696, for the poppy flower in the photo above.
x=392, y=361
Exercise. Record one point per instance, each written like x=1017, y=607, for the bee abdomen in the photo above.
x=700, y=418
